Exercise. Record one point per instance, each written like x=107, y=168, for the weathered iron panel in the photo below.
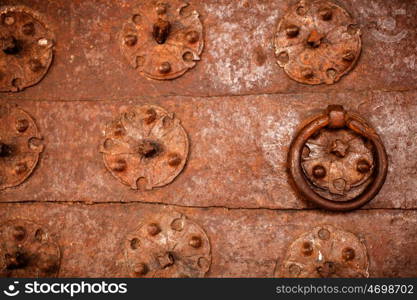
x=88, y=64
x=244, y=242
x=238, y=150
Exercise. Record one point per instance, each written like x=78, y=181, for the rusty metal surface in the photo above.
x=238, y=150
x=92, y=241
x=92, y=67
x=26, y=48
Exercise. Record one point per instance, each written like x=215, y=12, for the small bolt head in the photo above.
x=22, y=125
x=164, y=68
x=141, y=269
x=119, y=165
x=192, y=36
x=307, y=249
x=150, y=116
x=20, y=168
x=307, y=73
x=174, y=160
x=319, y=172
x=195, y=242
x=9, y=20
x=35, y=65
x=348, y=254
x=161, y=8
x=324, y=234
x=363, y=166
x=294, y=269
x=326, y=14
x=292, y=31
x=28, y=29
x=130, y=40
x=348, y=56
x=153, y=229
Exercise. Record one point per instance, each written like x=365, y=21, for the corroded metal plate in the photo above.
x=26, y=48
x=325, y=252
x=145, y=146
x=162, y=42
x=20, y=146
x=317, y=41
x=27, y=250
x=168, y=245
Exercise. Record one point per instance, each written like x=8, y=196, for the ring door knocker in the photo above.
x=337, y=161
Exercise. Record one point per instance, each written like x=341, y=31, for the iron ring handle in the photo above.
x=357, y=125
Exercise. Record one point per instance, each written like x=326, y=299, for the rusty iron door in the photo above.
x=208, y=138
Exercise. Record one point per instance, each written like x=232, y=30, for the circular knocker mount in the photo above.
x=337, y=161
x=317, y=42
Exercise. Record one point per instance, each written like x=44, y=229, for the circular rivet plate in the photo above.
x=26, y=48
x=325, y=252
x=168, y=245
x=145, y=145
x=162, y=42
x=20, y=146
x=27, y=250
x=338, y=164
x=317, y=42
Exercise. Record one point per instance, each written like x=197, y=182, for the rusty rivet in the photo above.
x=130, y=40
x=141, y=269
x=195, y=242
x=28, y=28
x=307, y=249
x=283, y=57
x=349, y=56
x=150, y=116
x=348, y=254
x=326, y=14
x=307, y=73
x=324, y=234
x=9, y=20
x=363, y=166
x=134, y=243
x=161, y=8
x=164, y=68
x=192, y=36
x=153, y=229
x=35, y=65
x=319, y=171
x=292, y=31
x=22, y=125
x=174, y=160
x=148, y=148
x=161, y=30
x=119, y=165
x=20, y=168
x=19, y=233
x=9, y=45
x=294, y=269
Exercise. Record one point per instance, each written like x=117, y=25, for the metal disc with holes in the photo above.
x=19, y=146
x=168, y=245
x=145, y=144
x=325, y=252
x=338, y=164
x=317, y=41
x=161, y=41
x=26, y=48
x=27, y=250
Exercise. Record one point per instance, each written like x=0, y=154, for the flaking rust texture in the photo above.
x=244, y=243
